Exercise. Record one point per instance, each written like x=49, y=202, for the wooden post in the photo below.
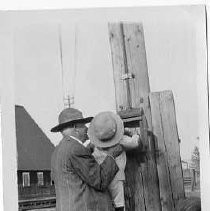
x=193, y=179
x=168, y=160
x=132, y=90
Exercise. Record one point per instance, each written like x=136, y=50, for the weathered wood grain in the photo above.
x=129, y=56
x=116, y=43
x=129, y=113
x=172, y=144
x=136, y=60
x=161, y=156
x=149, y=169
x=137, y=65
x=168, y=159
x=149, y=185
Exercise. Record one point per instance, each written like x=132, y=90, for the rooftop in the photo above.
x=33, y=146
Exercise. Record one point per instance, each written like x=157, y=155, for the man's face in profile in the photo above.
x=82, y=129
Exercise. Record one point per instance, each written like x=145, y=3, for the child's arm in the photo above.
x=130, y=143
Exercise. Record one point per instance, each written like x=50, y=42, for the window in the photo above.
x=40, y=177
x=26, y=179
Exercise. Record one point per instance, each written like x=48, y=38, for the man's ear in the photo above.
x=76, y=129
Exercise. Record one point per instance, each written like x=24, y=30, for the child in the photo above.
x=105, y=131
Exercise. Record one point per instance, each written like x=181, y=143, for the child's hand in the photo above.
x=133, y=142
x=127, y=132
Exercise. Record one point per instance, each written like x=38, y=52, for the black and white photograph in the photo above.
x=103, y=108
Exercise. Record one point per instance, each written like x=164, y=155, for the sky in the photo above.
x=170, y=39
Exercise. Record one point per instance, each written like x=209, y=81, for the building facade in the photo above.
x=34, y=151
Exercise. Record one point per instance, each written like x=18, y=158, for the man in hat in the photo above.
x=80, y=182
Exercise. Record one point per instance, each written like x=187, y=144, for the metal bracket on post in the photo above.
x=127, y=76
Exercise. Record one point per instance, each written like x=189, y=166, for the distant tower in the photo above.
x=68, y=101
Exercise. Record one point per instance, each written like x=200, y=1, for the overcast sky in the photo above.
x=170, y=39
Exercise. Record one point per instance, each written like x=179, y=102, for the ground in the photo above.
x=194, y=193
x=188, y=192
x=47, y=209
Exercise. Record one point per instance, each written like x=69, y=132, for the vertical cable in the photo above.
x=61, y=60
x=75, y=63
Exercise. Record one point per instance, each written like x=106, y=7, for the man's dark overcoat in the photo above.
x=80, y=183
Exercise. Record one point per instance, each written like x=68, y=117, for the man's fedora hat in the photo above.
x=106, y=129
x=69, y=117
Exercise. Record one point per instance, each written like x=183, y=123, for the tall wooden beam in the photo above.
x=168, y=160
x=132, y=90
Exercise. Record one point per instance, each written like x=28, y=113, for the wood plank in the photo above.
x=149, y=169
x=134, y=192
x=161, y=158
x=133, y=175
x=168, y=159
x=116, y=43
x=129, y=113
x=141, y=172
x=171, y=138
x=136, y=60
x=140, y=88
x=137, y=65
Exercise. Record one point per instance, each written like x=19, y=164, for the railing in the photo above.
x=35, y=191
x=187, y=180
x=36, y=203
